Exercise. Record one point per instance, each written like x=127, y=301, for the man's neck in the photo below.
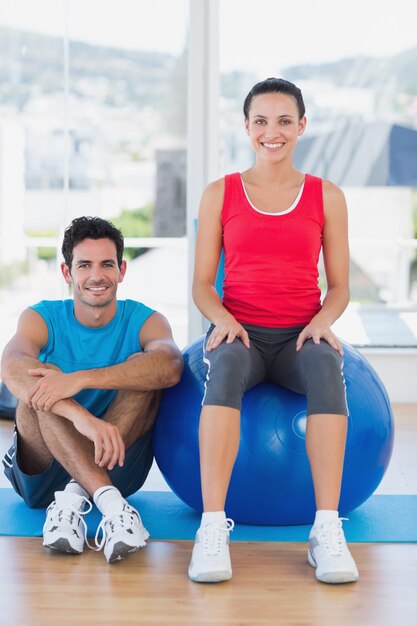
x=94, y=316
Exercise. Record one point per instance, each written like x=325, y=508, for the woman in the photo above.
x=272, y=221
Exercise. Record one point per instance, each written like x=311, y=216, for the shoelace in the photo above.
x=333, y=538
x=121, y=519
x=214, y=536
x=67, y=513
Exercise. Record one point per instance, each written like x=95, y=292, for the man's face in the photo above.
x=94, y=272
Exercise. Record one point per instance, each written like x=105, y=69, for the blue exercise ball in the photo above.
x=271, y=481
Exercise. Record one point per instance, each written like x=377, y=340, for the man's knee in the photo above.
x=25, y=415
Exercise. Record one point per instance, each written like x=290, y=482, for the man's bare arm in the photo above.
x=20, y=356
x=22, y=353
x=159, y=366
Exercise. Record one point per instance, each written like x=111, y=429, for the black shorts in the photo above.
x=38, y=490
x=316, y=370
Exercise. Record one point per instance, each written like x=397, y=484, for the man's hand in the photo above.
x=51, y=387
x=109, y=448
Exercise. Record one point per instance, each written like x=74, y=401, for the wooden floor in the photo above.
x=272, y=582
x=272, y=585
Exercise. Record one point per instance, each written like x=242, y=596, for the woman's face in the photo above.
x=274, y=126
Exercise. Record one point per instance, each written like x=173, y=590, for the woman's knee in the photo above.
x=320, y=360
x=228, y=358
x=322, y=371
x=228, y=368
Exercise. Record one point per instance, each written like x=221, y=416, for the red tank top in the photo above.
x=271, y=273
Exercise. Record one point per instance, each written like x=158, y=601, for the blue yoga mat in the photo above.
x=380, y=519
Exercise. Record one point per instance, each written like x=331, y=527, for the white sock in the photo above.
x=212, y=516
x=74, y=487
x=325, y=517
x=108, y=499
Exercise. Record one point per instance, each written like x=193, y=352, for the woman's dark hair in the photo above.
x=90, y=228
x=275, y=85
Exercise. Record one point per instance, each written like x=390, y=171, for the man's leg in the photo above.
x=34, y=455
x=29, y=464
x=46, y=440
x=134, y=413
x=43, y=437
x=37, y=476
x=72, y=450
x=46, y=436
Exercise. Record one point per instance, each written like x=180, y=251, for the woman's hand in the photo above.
x=227, y=327
x=316, y=331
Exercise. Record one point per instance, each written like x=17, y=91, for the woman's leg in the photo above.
x=219, y=436
x=321, y=370
x=317, y=371
x=325, y=444
x=232, y=368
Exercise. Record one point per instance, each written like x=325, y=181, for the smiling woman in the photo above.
x=352, y=124
x=272, y=221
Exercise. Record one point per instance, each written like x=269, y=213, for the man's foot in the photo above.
x=210, y=561
x=65, y=529
x=329, y=554
x=123, y=532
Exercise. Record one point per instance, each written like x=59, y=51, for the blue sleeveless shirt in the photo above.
x=72, y=346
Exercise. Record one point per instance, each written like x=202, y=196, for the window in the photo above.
x=93, y=122
x=356, y=68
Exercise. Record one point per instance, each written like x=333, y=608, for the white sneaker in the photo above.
x=329, y=554
x=210, y=561
x=65, y=529
x=123, y=533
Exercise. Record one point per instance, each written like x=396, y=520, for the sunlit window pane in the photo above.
x=92, y=122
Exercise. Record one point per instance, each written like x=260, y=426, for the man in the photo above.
x=88, y=374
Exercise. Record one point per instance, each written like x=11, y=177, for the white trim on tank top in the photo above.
x=276, y=213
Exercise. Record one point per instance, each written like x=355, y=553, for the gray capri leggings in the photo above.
x=316, y=370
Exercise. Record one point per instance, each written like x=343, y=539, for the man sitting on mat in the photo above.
x=88, y=374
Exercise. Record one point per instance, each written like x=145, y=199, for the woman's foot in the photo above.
x=329, y=554
x=210, y=561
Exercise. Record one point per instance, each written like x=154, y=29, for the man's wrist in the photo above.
x=70, y=409
x=84, y=379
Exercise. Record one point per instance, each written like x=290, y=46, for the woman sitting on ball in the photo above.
x=272, y=222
